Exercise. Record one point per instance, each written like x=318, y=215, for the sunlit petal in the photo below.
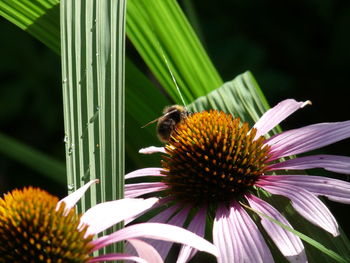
x=333, y=189
x=289, y=244
x=333, y=163
x=250, y=237
x=154, y=171
x=275, y=115
x=146, y=251
x=152, y=149
x=226, y=238
x=107, y=214
x=306, y=203
x=157, y=231
x=74, y=197
x=308, y=138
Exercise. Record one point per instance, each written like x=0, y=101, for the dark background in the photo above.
x=295, y=49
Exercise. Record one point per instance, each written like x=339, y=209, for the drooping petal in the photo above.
x=333, y=163
x=197, y=226
x=152, y=149
x=255, y=248
x=146, y=251
x=157, y=231
x=308, y=138
x=154, y=171
x=289, y=244
x=116, y=256
x=135, y=190
x=105, y=215
x=162, y=217
x=177, y=219
x=165, y=215
x=333, y=189
x=74, y=197
x=160, y=203
x=306, y=203
x=275, y=115
x=226, y=239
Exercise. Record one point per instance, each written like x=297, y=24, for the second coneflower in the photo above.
x=213, y=164
x=36, y=227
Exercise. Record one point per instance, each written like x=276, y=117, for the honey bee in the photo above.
x=166, y=124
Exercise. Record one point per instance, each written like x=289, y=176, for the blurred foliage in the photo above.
x=30, y=104
x=296, y=49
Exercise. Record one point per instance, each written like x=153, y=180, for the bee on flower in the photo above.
x=214, y=167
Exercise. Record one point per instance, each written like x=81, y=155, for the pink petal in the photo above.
x=226, y=239
x=306, y=203
x=162, y=217
x=178, y=219
x=116, y=256
x=145, y=172
x=249, y=236
x=289, y=244
x=152, y=149
x=275, y=115
x=165, y=215
x=146, y=251
x=157, y=231
x=308, y=138
x=160, y=203
x=333, y=189
x=135, y=190
x=238, y=238
x=107, y=214
x=74, y=197
x=333, y=163
x=196, y=226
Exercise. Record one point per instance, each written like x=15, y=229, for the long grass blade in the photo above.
x=158, y=29
x=93, y=59
x=40, y=18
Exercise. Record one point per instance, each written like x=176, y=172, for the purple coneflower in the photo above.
x=36, y=227
x=213, y=164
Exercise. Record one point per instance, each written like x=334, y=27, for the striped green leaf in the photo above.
x=93, y=52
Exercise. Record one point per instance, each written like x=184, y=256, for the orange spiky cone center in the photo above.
x=212, y=157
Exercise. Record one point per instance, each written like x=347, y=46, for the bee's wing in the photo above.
x=166, y=114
